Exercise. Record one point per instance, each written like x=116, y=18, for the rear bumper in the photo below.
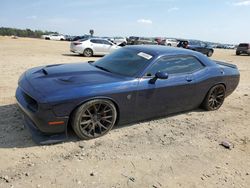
x=76, y=48
x=243, y=51
x=38, y=121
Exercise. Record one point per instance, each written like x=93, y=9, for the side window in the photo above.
x=175, y=65
x=96, y=41
x=106, y=42
x=202, y=44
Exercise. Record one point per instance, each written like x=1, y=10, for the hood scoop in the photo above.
x=67, y=79
x=45, y=72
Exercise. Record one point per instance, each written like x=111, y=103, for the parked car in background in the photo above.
x=171, y=42
x=230, y=46
x=132, y=84
x=54, y=37
x=120, y=40
x=198, y=46
x=243, y=48
x=93, y=46
x=140, y=40
x=68, y=37
x=182, y=43
x=160, y=40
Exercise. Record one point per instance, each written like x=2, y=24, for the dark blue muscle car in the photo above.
x=132, y=84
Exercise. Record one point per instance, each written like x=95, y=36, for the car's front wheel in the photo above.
x=210, y=53
x=214, y=98
x=88, y=52
x=94, y=118
x=237, y=53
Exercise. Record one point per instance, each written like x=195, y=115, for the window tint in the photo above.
x=96, y=41
x=175, y=65
x=106, y=42
x=202, y=44
x=192, y=42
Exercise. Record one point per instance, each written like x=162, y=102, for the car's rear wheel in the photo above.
x=214, y=98
x=88, y=52
x=210, y=53
x=237, y=53
x=94, y=118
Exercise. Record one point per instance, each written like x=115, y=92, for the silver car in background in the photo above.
x=93, y=46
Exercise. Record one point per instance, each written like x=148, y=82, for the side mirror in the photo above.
x=159, y=75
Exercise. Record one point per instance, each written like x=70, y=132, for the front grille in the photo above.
x=32, y=103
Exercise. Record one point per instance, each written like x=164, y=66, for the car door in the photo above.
x=107, y=46
x=165, y=96
x=203, y=48
x=97, y=46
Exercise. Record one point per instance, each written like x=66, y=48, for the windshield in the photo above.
x=126, y=62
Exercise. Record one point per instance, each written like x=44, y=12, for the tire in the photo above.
x=237, y=53
x=94, y=118
x=47, y=38
x=210, y=53
x=88, y=52
x=214, y=98
x=169, y=44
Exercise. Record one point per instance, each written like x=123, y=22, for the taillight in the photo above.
x=77, y=43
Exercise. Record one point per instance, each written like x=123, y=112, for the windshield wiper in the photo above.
x=102, y=68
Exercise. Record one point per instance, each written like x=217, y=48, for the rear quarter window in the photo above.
x=243, y=45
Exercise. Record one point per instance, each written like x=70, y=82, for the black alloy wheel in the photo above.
x=215, y=98
x=94, y=118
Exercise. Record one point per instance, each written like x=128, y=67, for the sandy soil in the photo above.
x=178, y=151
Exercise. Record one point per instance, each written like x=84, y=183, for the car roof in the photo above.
x=98, y=39
x=158, y=50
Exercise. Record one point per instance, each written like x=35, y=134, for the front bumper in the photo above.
x=41, y=138
x=37, y=121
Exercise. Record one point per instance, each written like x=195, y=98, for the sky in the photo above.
x=225, y=21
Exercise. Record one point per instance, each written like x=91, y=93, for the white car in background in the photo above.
x=54, y=37
x=93, y=46
x=120, y=40
x=171, y=42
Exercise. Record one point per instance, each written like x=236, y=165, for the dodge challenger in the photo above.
x=132, y=84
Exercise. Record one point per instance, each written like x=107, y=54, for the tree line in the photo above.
x=6, y=31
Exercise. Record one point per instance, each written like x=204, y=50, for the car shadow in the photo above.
x=240, y=55
x=79, y=55
x=13, y=134
x=72, y=55
x=158, y=118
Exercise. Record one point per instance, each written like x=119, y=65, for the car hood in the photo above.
x=59, y=79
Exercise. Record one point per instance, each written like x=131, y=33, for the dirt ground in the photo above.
x=182, y=150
